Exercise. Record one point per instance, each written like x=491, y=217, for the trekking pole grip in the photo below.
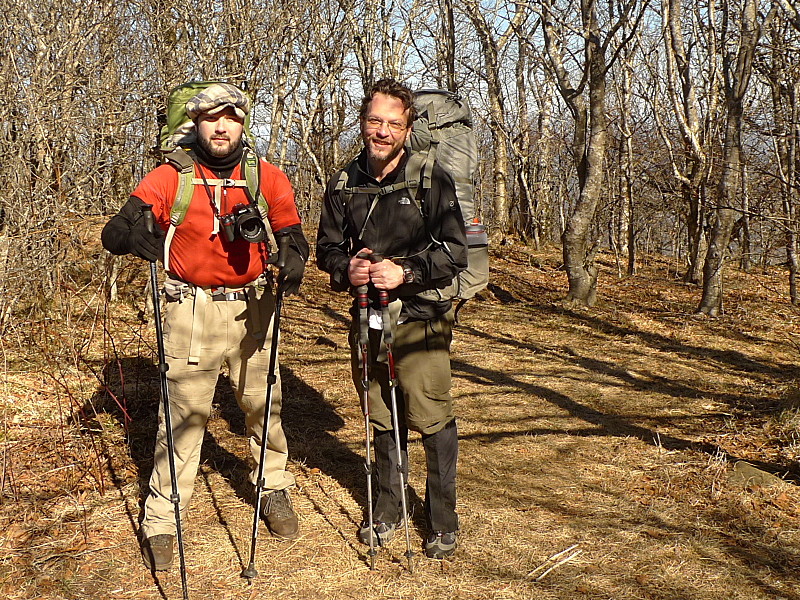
x=147, y=215
x=362, y=296
x=280, y=261
x=283, y=250
x=373, y=258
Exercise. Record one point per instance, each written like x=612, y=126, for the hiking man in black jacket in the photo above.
x=421, y=241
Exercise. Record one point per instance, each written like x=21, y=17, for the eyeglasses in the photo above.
x=394, y=126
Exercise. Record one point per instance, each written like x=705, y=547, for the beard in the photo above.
x=383, y=153
x=215, y=149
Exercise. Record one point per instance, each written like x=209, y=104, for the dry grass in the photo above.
x=607, y=437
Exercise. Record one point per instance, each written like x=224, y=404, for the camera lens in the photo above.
x=251, y=227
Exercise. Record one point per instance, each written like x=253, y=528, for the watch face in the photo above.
x=408, y=275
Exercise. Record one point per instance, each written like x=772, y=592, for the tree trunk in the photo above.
x=737, y=78
x=542, y=197
x=627, y=229
x=579, y=250
x=695, y=233
x=791, y=259
x=744, y=232
x=500, y=163
x=523, y=149
x=447, y=49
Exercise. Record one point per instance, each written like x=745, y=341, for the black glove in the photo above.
x=294, y=242
x=291, y=274
x=146, y=245
x=126, y=233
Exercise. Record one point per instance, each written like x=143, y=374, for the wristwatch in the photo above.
x=408, y=275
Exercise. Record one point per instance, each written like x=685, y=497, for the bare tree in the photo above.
x=434, y=42
x=492, y=45
x=585, y=96
x=779, y=67
x=624, y=230
x=522, y=146
x=380, y=36
x=737, y=70
x=690, y=163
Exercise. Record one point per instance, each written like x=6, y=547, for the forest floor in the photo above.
x=634, y=450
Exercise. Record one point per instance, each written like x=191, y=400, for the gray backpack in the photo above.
x=443, y=134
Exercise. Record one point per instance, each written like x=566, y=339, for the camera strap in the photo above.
x=216, y=198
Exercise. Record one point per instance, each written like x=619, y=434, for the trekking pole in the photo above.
x=383, y=296
x=175, y=498
x=250, y=571
x=363, y=343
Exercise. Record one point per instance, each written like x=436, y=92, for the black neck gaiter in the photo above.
x=223, y=166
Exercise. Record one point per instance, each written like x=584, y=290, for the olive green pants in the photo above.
x=422, y=364
x=421, y=351
x=228, y=338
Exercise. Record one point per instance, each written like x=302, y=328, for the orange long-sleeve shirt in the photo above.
x=196, y=253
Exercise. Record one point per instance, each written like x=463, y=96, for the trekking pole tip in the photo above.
x=410, y=558
x=250, y=572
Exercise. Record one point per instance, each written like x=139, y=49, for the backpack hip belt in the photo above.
x=177, y=290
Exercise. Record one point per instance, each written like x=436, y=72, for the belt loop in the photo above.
x=198, y=322
x=254, y=312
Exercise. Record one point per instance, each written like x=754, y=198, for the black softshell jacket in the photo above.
x=434, y=246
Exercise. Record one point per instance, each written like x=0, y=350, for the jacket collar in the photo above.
x=364, y=175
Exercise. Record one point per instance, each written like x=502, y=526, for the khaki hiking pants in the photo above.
x=231, y=336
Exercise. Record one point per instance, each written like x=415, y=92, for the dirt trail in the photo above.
x=600, y=443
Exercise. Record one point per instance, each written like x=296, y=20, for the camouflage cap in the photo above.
x=217, y=97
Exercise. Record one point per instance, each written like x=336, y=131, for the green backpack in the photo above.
x=178, y=132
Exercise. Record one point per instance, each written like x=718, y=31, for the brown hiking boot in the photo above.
x=276, y=508
x=157, y=551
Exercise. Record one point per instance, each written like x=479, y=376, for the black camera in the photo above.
x=246, y=222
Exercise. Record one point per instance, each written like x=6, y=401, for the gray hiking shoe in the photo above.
x=277, y=511
x=382, y=532
x=157, y=551
x=440, y=545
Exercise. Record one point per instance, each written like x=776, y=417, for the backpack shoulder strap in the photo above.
x=180, y=159
x=251, y=169
x=411, y=182
x=184, y=164
x=416, y=169
x=346, y=192
x=342, y=181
